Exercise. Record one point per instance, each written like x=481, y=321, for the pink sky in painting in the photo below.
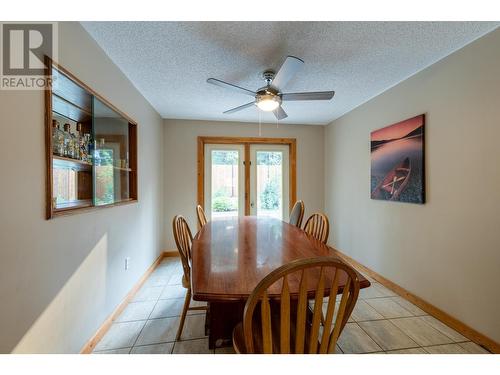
x=397, y=130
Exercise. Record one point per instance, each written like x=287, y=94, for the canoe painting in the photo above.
x=397, y=162
x=394, y=182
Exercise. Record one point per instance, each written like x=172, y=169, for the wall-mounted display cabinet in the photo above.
x=91, y=148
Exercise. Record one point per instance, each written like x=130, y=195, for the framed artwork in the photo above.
x=397, y=162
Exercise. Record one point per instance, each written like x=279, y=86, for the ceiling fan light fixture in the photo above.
x=268, y=103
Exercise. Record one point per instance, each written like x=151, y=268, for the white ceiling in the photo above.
x=169, y=62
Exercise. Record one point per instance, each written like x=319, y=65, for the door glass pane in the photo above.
x=270, y=184
x=224, y=183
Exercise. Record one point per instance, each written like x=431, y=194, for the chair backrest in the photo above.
x=318, y=226
x=202, y=218
x=295, y=332
x=297, y=214
x=183, y=240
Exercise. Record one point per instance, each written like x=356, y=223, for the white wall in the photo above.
x=180, y=153
x=59, y=279
x=448, y=250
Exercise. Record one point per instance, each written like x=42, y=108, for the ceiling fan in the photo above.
x=270, y=97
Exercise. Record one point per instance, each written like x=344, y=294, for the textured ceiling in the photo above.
x=169, y=62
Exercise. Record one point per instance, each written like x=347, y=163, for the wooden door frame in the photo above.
x=247, y=141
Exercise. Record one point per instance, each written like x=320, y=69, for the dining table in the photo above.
x=230, y=256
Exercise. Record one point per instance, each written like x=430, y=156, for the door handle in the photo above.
x=251, y=204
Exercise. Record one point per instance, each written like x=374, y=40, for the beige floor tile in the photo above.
x=199, y=346
x=173, y=291
x=194, y=327
x=445, y=349
x=409, y=306
x=363, y=311
x=325, y=309
x=153, y=349
x=387, y=335
x=148, y=293
x=166, y=308
x=158, y=331
x=388, y=308
x=408, y=351
x=176, y=278
x=385, y=291
x=354, y=340
x=375, y=291
x=421, y=332
x=369, y=292
x=136, y=311
x=197, y=304
x=113, y=351
x=170, y=263
x=156, y=281
x=164, y=272
x=444, y=329
x=225, y=350
x=473, y=348
x=120, y=335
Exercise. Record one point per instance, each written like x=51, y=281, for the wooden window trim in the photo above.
x=247, y=141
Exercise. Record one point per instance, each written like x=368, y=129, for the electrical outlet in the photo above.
x=127, y=263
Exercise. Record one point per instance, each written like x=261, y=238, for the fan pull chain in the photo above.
x=260, y=124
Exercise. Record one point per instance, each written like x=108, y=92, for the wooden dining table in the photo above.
x=229, y=258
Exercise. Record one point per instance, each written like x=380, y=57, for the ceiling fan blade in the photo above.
x=239, y=108
x=241, y=90
x=319, y=95
x=280, y=113
x=291, y=65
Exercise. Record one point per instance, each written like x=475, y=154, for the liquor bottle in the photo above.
x=76, y=141
x=81, y=141
x=91, y=149
x=57, y=138
x=60, y=140
x=68, y=141
x=83, y=148
x=87, y=147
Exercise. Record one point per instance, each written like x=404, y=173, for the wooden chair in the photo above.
x=297, y=214
x=318, y=226
x=183, y=240
x=202, y=218
x=283, y=323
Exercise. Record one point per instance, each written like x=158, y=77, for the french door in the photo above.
x=224, y=180
x=246, y=177
x=269, y=177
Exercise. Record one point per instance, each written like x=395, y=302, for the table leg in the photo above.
x=221, y=319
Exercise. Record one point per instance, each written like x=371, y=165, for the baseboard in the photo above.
x=446, y=318
x=106, y=325
x=171, y=253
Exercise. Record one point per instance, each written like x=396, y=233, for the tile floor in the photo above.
x=381, y=322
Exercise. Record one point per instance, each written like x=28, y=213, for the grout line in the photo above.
x=107, y=350
x=146, y=321
x=144, y=326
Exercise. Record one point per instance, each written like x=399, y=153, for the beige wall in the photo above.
x=180, y=152
x=59, y=279
x=448, y=250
